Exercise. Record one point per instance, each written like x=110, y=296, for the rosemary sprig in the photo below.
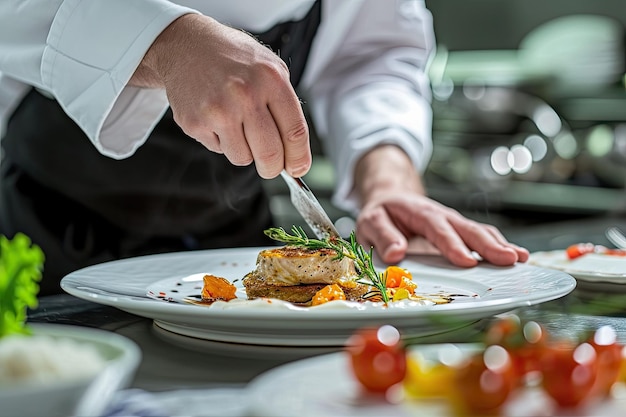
x=348, y=249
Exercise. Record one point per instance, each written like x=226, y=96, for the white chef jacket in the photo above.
x=365, y=80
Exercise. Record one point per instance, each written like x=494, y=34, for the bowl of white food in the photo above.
x=63, y=370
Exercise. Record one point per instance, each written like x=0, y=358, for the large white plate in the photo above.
x=323, y=386
x=592, y=267
x=486, y=290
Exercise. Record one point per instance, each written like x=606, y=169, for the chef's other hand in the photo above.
x=395, y=210
x=230, y=93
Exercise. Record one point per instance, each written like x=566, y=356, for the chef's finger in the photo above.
x=287, y=113
x=265, y=143
x=375, y=228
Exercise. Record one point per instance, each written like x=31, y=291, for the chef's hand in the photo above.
x=395, y=210
x=229, y=92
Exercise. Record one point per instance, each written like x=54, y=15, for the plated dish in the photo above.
x=131, y=285
x=323, y=386
x=591, y=267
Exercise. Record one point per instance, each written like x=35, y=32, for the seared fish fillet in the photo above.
x=299, y=266
x=295, y=274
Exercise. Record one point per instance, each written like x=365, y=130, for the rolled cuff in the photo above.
x=89, y=79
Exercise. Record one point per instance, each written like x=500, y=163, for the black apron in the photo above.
x=84, y=208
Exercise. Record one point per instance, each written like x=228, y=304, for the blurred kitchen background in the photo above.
x=529, y=128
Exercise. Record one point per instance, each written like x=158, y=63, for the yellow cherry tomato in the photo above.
x=428, y=379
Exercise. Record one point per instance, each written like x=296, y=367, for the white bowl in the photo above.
x=86, y=396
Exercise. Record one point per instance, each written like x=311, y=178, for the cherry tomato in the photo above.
x=524, y=340
x=622, y=368
x=483, y=382
x=579, y=249
x=378, y=358
x=432, y=377
x=504, y=331
x=609, y=353
x=569, y=372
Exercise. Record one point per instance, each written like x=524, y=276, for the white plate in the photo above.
x=486, y=290
x=592, y=267
x=323, y=386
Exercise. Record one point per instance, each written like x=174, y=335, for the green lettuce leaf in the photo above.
x=21, y=264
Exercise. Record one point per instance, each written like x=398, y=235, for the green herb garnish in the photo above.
x=21, y=264
x=348, y=249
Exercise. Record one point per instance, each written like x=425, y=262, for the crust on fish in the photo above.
x=257, y=287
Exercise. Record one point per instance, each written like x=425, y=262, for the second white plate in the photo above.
x=324, y=386
x=592, y=267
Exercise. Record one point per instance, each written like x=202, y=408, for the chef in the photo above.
x=147, y=126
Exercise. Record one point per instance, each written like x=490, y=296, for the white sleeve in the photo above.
x=372, y=88
x=83, y=52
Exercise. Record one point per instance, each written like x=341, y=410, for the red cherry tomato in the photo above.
x=378, y=358
x=527, y=357
x=483, y=383
x=579, y=249
x=569, y=372
x=504, y=331
x=622, y=368
x=524, y=340
x=609, y=353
